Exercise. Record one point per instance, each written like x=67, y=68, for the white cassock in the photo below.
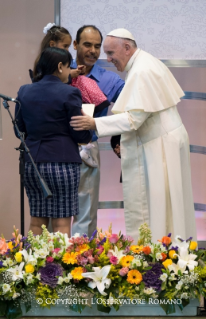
x=155, y=155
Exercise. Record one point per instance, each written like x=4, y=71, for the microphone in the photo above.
x=7, y=98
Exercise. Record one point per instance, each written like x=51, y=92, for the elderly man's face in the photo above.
x=116, y=52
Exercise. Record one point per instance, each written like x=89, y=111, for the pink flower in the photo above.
x=113, y=238
x=100, y=250
x=123, y=271
x=56, y=250
x=81, y=260
x=88, y=253
x=3, y=246
x=49, y=259
x=109, y=254
x=96, y=259
x=113, y=260
x=91, y=259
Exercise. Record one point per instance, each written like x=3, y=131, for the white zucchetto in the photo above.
x=121, y=33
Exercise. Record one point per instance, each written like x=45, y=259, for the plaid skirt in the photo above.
x=62, y=180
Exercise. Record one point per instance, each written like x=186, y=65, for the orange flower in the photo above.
x=77, y=273
x=136, y=249
x=146, y=250
x=108, y=234
x=164, y=256
x=82, y=248
x=134, y=277
x=3, y=246
x=17, y=237
x=166, y=240
x=126, y=260
x=70, y=258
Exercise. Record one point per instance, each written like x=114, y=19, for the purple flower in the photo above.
x=1, y=264
x=102, y=241
x=151, y=278
x=50, y=274
x=93, y=235
x=27, y=246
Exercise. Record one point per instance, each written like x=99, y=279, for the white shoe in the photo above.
x=87, y=159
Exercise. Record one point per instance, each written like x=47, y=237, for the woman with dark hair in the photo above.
x=46, y=109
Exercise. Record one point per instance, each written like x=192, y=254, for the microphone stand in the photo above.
x=21, y=173
x=46, y=191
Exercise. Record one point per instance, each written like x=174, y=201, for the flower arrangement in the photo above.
x=107, y=267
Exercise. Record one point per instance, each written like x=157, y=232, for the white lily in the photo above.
x=176, y=268
x=28, y=257
x=17, y=271
x=186, y=259
x=117, y=253
x=99, y=277
x=6, y=288
x=179, y=243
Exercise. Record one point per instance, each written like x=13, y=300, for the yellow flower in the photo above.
x=29, y=269
x=10, y=246
x=77, y=273
x=70, y=258
x=193, y=245
x=125, y=261
x=167, y=262
x=18, y=257
x=82, y=248
x=136, y=249
x=172, y=254
x=134, y=277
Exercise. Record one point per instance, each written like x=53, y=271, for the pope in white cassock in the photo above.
x=155, y=155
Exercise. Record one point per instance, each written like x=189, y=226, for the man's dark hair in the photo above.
x=79, y=32
x=115, y=140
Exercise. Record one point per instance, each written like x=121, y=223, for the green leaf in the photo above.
x=185, y=302
x=180, y=306
x=169, y=308
x=3, y=306
x=116, y=306
x=77, y=308
x=13, y=310
x=27, y=305
x=102, y=308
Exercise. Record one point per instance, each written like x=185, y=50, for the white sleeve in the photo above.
x=120, y=123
